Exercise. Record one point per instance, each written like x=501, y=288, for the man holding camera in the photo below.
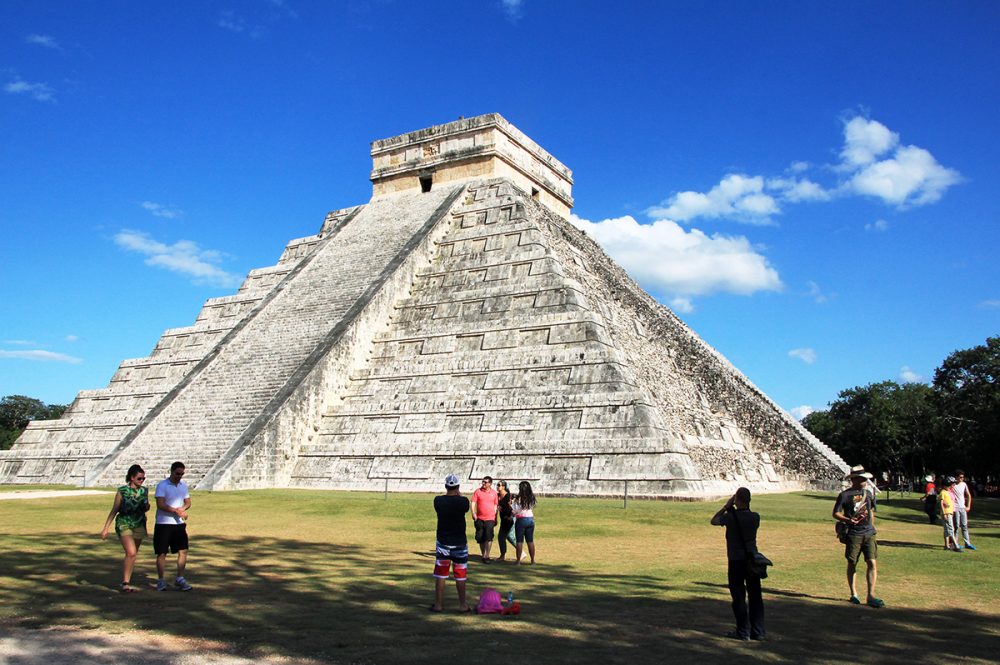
x=741, y=543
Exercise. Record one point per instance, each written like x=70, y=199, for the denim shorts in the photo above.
x=524, y=530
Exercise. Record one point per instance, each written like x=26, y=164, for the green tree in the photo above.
x=885, y=426
x=16, y=411
x=968, y=390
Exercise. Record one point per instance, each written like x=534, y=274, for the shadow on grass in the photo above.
x=899, y=543
x=263, y=597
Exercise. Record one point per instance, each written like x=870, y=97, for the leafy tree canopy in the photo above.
x=16, y=411
x=913, y=427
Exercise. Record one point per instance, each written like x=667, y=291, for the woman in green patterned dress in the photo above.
x=129, y=513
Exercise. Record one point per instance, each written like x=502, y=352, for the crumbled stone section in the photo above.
x=64, y=450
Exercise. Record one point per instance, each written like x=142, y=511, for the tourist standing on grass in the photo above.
x=963, y=505
x=452, y=547
x=741, y=544
x=948, y=514
x=855, y=507
x=930, y=498
x=506, y=515
x=170, y=534
x=524, y=520
x=484, y=516
x=129, y=514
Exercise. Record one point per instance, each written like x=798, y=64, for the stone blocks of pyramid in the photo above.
x=457, y=323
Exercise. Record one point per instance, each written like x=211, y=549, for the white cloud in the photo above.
x=666, y=258
x=43, y=40
x=801, y=412
x=682, y=305
x=808, y=356
x=37, y=91
x=797, y=191
x=72, y=338
x=816, y=293
x=20, y=342
x=911, y=177
x=38, y=354
x=878, y=225
x=513, y=8
x=864, y=140
x=990, y=303
x=907, y=375
x=737, y=196
x=230, y=21
x=159, y=210
x=873, y=163
x=183, y=257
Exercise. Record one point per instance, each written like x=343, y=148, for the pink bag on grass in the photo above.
x=490, y=602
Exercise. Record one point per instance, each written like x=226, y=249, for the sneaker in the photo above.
x=876, y=602
x=161, y=585
x=854, y=600
x=969, y=546
x=181, y=584
x=733, y=635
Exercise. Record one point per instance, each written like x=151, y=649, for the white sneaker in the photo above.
x=181, y=584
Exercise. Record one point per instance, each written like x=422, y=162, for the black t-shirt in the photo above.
x=506, y=512
x=451, y=511
x=857, y=504
x=749, y=522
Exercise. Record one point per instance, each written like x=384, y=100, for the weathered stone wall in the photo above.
x=266, y=455
x=495, y=364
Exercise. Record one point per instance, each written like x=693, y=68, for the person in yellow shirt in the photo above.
x=948, y=514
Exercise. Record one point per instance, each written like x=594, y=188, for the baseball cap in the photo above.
x=451, y=480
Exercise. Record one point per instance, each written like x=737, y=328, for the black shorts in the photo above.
x=484, y=530
x=170, y=537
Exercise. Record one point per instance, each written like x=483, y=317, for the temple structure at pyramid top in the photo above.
x=455, y=323
x=483, y=147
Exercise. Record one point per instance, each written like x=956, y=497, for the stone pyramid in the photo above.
x=457, y=323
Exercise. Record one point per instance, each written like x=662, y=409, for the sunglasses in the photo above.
x=139, y=479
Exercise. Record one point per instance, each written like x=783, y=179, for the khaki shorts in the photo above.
x=858, y=545
x=138, y=533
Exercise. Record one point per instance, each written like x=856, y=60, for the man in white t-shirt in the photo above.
x=963, y=504
x=170, y=534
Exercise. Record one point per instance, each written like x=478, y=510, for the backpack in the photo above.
x=489, y=602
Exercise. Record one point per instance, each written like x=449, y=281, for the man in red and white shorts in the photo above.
x=452, y=546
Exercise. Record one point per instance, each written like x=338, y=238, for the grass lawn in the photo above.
x=345, y=577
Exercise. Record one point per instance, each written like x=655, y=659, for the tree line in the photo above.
x=16, y=411
x=912, y=429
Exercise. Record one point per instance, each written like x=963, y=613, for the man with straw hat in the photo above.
x=855, y=507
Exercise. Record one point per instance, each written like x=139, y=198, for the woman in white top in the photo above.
x=524, y=516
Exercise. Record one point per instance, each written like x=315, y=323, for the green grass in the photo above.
x=345, y=577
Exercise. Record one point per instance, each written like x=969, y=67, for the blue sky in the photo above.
x=811, y=186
